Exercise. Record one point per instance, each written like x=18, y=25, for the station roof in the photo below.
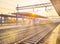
x=6, y=15
x=56, y=4
x=29, y=15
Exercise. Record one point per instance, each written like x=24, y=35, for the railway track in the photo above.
x=27, y=35
x=38, y=38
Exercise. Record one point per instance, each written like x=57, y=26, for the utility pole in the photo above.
x=1, y=19
x=17, y=9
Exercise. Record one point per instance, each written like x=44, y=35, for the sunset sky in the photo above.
x=8, y=6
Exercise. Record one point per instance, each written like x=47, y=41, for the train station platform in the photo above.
x=29, y=22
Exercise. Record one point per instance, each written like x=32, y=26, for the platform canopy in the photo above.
x=32, y=15
x=6, y=15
